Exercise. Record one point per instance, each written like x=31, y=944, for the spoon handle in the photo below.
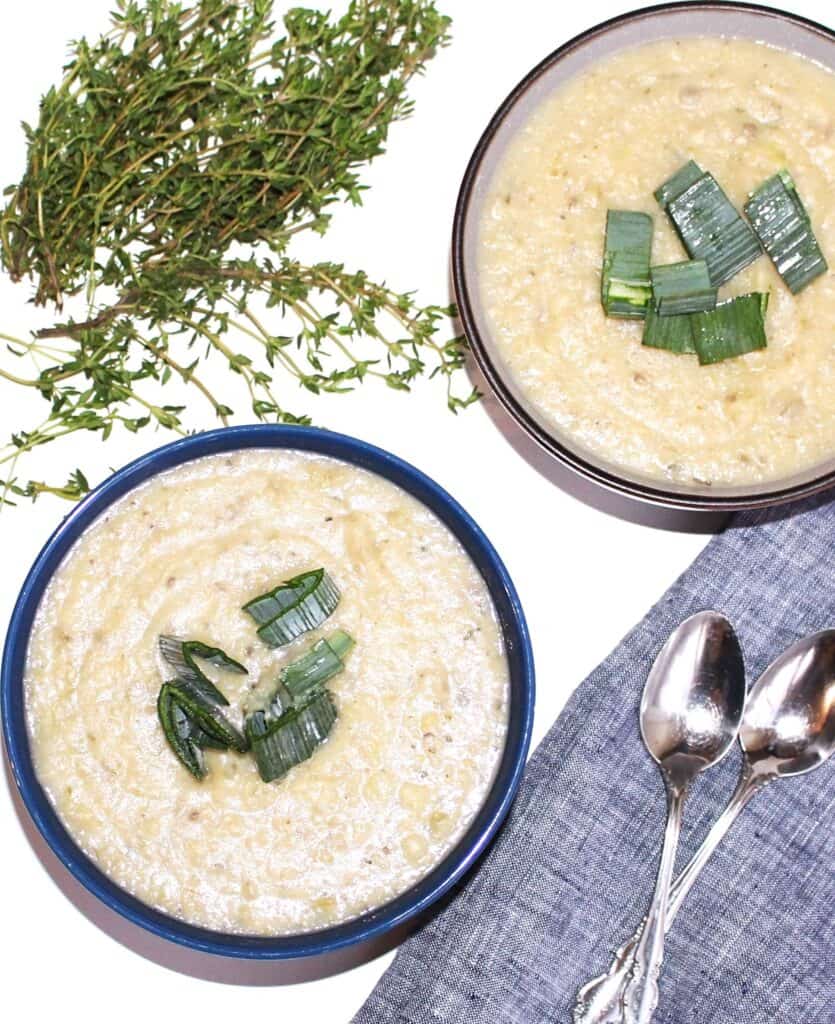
x=747, y=787
x=600, y=1001
x=641, y=993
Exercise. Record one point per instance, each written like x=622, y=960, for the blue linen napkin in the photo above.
x=572, y=871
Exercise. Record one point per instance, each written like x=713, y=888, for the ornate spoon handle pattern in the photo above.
x=601, y=1000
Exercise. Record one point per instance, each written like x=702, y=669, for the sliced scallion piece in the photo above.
x=301, y=678
x=673, y=333
x=625, y=287
x=340, y=643
x=215, y=656
x=295, y=607
x=187, y=728
x=735, y=327
x=682, y=288
x=204, y=740
x=177, y=727
x=292, y=738
x=181, y=655
x=321, y=663
x=206, y=715
x=684, y=177
x=712, y=230
x=258, y=723
x=280, y=701
x=782, y=224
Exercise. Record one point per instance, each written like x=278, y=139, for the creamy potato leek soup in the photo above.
x=606, y=140
x=416, y=677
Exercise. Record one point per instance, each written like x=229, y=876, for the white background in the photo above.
x=586, y=569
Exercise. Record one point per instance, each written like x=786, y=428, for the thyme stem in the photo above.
x=172, y=168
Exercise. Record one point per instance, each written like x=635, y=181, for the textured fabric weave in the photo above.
x=572, y=871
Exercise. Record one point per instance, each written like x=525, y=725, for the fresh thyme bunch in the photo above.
x=165, y=180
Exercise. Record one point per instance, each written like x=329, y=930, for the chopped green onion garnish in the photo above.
x=215, y=656
x=301, y=678
x=295, y=607
x=181, y=655
x=292, y=738
x=340, y=643
x=783, y=226
x=682, y=288
x=321, y=663
x=177, y=727
x=673, y=333
x=206, y=715
x=625, y=288
x=732, y=329
x=712, y=230
x=680, y=182
x=258, y=722
x=204, y=740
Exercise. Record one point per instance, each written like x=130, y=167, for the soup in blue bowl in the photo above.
x=267, y=692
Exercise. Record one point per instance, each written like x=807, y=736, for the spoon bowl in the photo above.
x=789, y=723
x=694, y=695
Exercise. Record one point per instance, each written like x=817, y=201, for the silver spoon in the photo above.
x=788, y=728
x=690, y=713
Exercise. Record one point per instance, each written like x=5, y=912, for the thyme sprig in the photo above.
x=166, y=179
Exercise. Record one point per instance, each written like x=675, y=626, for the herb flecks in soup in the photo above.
x=422, y=696
x=606, y=140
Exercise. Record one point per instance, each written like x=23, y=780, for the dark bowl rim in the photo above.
x=465, y=853
x=646, y=492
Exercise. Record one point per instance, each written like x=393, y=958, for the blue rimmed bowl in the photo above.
x=415, y=901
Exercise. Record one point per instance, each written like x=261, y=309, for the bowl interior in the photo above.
x=514, y=631
x=653, y=24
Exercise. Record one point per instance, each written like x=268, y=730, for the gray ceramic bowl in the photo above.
x=666, y=21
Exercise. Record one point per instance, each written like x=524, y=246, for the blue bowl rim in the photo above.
x=419, y=897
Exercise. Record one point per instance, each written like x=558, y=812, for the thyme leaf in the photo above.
x=166, y=179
